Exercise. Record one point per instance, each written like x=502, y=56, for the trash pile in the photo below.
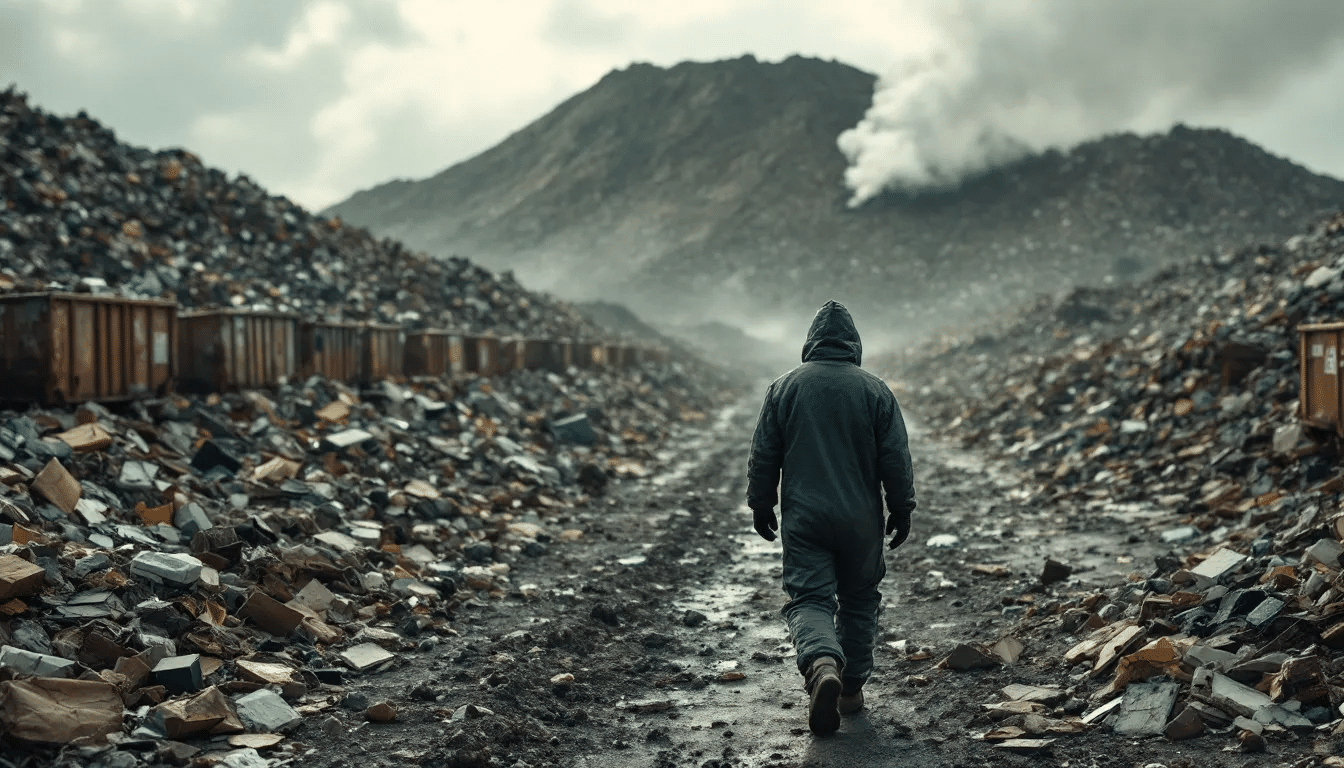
x=1174, y=404
x=81, y=211
x=204, y=573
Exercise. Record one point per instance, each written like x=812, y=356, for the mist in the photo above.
x=1013, y=78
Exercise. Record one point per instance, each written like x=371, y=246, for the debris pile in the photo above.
x=212, y=570
x=1173, y=405
x=80, y=210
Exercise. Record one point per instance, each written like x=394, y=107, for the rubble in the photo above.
x=1178, y=413
x=81, y=211
x=243, y=592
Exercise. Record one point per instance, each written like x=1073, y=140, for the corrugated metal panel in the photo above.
x=481, y=355
x=60, y=348
x=427, y=353
x=333, y=350
x=1319, y=349
x=225, y=350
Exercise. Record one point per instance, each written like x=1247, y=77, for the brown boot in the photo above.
x=823, y=683
x=851, y=698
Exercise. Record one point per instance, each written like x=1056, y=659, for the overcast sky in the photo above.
x=318, y=99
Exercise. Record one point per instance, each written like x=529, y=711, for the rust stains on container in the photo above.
x=433, y=353
x=1318, y=360
x=331, y=349
x=384, y=353
x=226, y=350
x=60, y=348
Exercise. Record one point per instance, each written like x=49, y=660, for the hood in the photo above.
x=833, y=336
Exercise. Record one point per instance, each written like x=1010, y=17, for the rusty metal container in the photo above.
x=480, y=355
x=226, y=350
x=1318, y=359
x=384, y=353
x=538, y=353
x=433, y=353
x=330, y=349
x=60, y=348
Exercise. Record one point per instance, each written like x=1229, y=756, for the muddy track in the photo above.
x=666, y=615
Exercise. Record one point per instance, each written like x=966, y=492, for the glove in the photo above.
x=765, y=523
x=898, y=524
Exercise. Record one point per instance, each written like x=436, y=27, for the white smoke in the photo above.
x=1018, y=76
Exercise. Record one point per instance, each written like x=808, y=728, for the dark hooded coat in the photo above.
x=836, y=433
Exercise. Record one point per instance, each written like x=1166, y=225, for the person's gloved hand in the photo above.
x=898, y=524
x=765, y=523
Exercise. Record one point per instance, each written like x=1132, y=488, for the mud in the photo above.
x=666, y=614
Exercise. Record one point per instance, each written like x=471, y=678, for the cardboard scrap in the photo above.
x=276, y=470
x=86, y=438
x=58, y=711
x=19, y=578
x=207, y=712
x=58, y=486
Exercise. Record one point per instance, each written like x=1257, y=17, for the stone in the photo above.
x=382, y=712
x=167, y=568
x=968, y=657
x=266, y=712
x=19, y=578
x=1055, y=572
x=1178, y=535
x=191, y=519
x=1146, y=708
x=365, y=656
x=179, y=674
x=1287, y=437
x=1265, y=612
x=1218, y=565
x=138, y=475
x=340, y=441
x=1187, y=725
x=1324, y=551
x=1227, y=694
x=574, y=429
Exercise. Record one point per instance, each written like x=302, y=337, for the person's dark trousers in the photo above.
x=833, y=601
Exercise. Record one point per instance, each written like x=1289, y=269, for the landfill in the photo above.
x=1172, y=405
x=82, y=211
x=198, y=573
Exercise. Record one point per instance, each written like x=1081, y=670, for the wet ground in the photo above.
x=655, y=639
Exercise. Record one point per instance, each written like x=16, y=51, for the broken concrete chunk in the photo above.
x=179, y=674
x=1146, y=708
x=167, y=568
x=265, y=712
x=191, y=518
x=967, y=657
x=57, y=486
x=365, y=656
x=574, y=429
x=1219, y=564
x=1325, y=551
x=339, y=441
x=19, y=578
x=1187, y=725
x=1050, y=696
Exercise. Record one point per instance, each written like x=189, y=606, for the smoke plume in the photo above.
x=1019, y=76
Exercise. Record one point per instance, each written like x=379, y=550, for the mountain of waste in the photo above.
x=80, y=210
x=710, y=185
x=1174, y=405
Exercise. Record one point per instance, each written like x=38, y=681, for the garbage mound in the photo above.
x=215, y=568
x=1176, y=403
x=79, y=210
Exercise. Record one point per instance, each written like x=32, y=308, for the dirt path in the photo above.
x=670, y=596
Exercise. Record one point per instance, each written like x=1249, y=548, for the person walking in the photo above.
x=835, y=433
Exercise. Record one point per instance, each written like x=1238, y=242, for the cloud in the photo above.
x=1014, y=77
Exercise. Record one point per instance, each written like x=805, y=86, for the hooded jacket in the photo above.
x=836, y=434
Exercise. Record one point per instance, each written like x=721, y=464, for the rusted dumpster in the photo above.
x=480, y=354
x=511, y=355
x=1318, y=359
x=583, y=355
x=227, y=349
x=60, y=348
x=331, y=349
x=384, y=349
x=433, y=353
x=537, y=354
